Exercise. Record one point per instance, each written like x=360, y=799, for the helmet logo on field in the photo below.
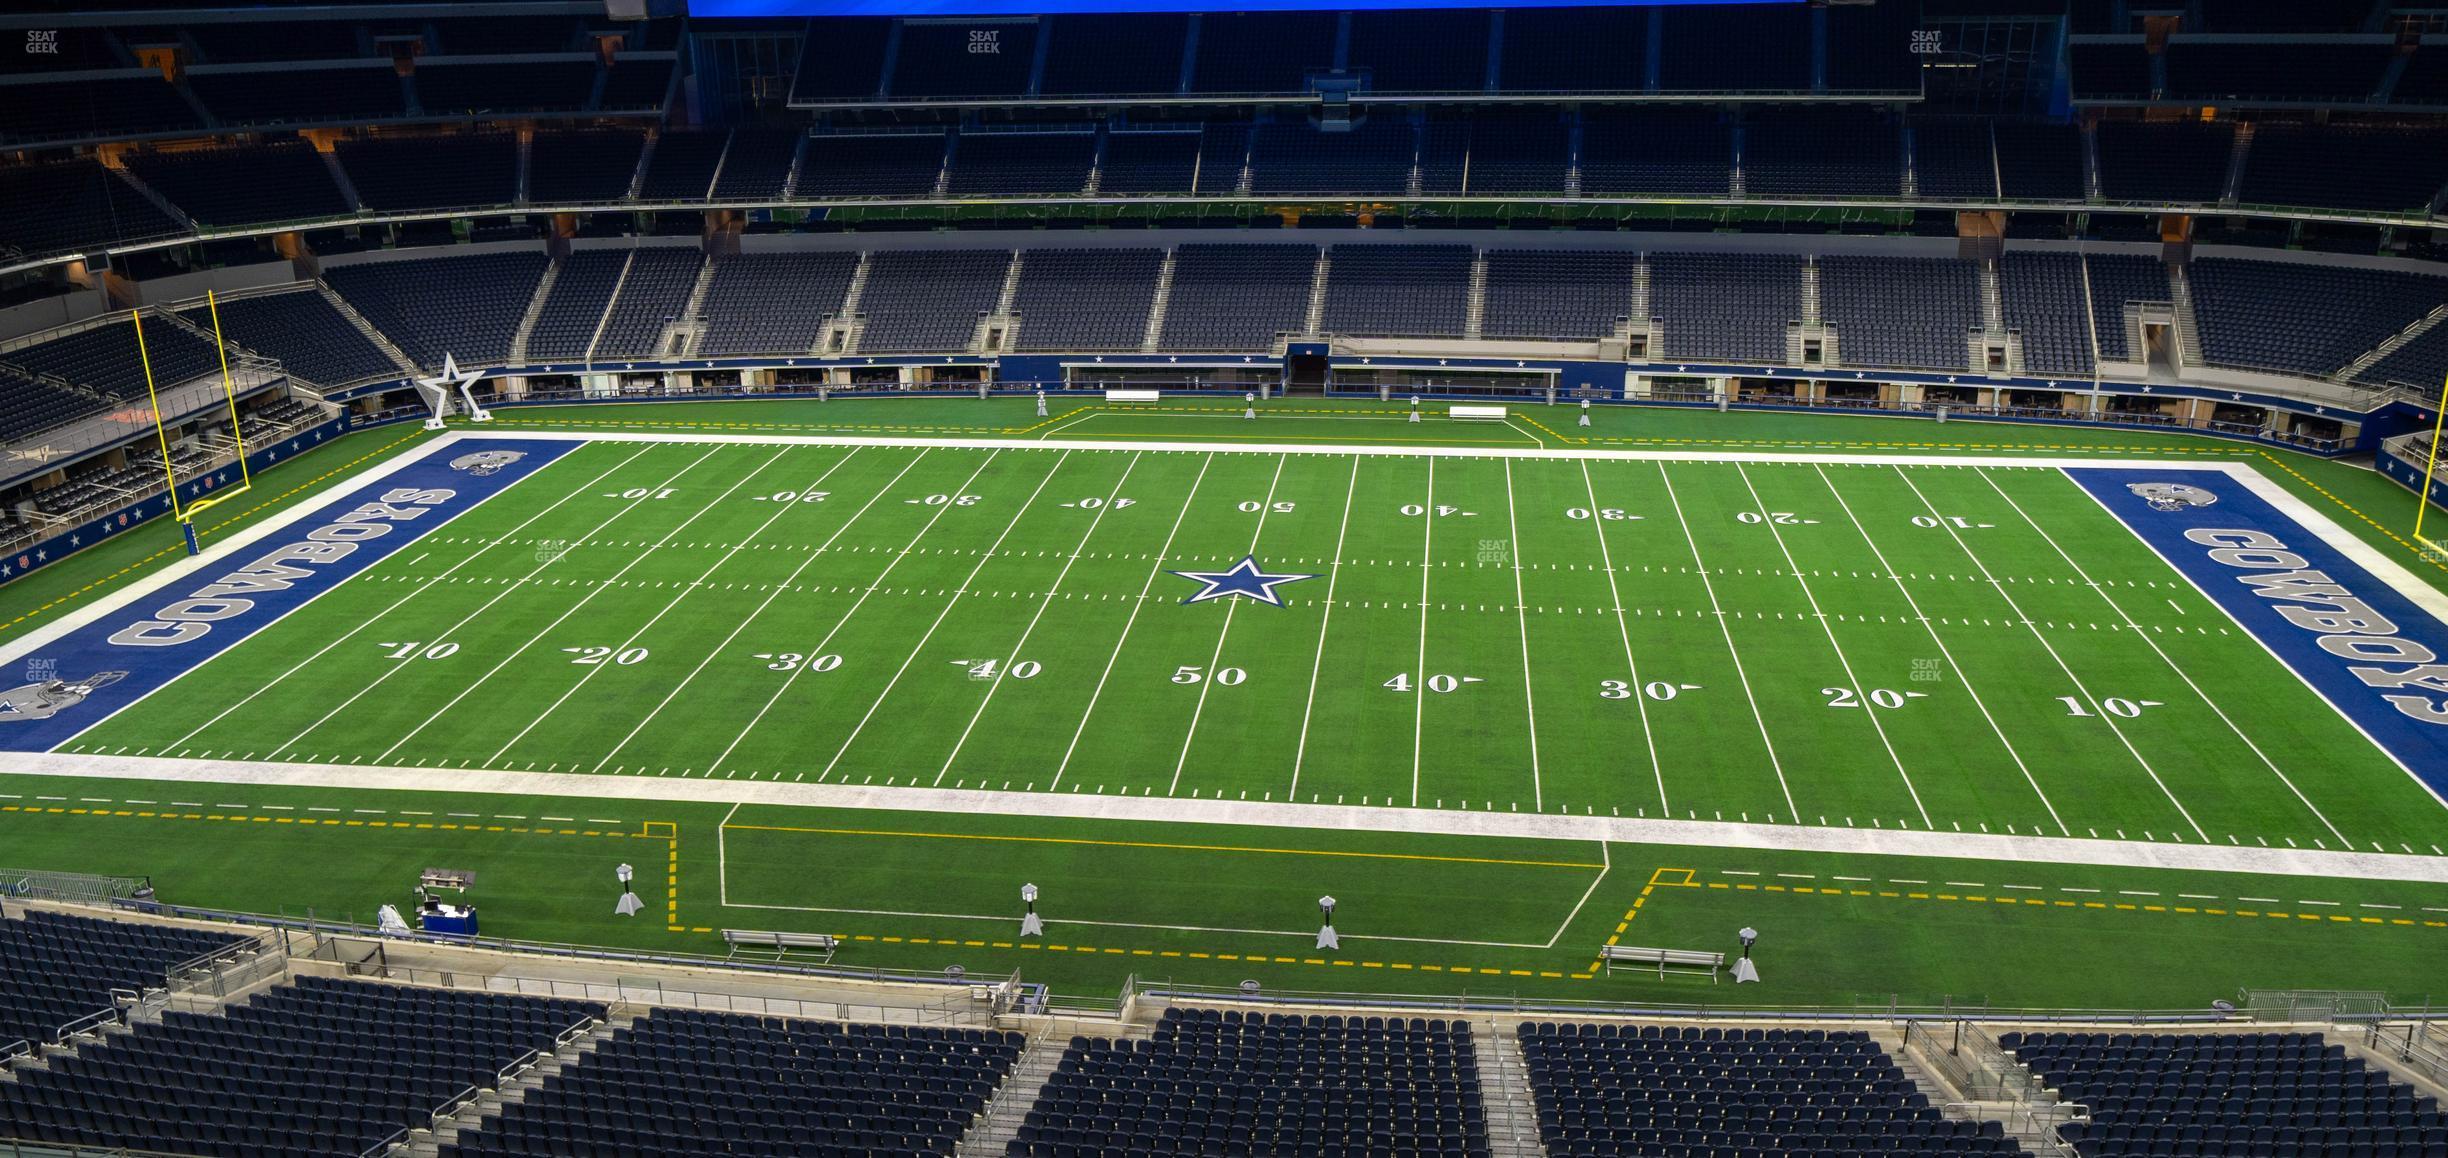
x=485, y=462
x=47, y=698
x=2172, y=496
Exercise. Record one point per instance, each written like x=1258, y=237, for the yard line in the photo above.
x=1726, y=628
x=1419, y=674
x=1265, y=507
x=861, y=601
x=1906, y=591
x=786, y=585
x=1606, y=864
x=1042, y=604
x=1334, y=571
x=685, y=590
x=1860, y=694
x=1521, y=618
x=470, y=617
x=2164, y=657
x=572, y=609
x=1623, y=630
x=1154, y=569
x=2017, y=608
x=370, y=620
x=957, y=592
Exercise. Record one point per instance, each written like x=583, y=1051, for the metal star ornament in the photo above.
x=451, y=377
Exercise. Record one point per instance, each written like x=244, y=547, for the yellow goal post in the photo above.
x=186, y=511
x=2437, y=548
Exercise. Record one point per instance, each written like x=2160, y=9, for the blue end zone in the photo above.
x=80, y=679
x=2364, y=647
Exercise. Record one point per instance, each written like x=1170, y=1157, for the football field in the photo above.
x=1495, y=700
x=1976, y=649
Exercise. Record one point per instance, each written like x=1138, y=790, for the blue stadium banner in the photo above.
x=706, y=8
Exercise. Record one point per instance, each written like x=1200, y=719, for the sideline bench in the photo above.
x=1664, y=961
x=1467, y=413
x=1134, y=396
x=781, y=943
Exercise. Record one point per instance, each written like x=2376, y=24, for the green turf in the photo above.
x=1870, y=930
x=970, y=618
x=725, y=687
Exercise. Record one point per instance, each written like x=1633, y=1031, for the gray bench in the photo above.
x=780, y=943
x=1662, y=961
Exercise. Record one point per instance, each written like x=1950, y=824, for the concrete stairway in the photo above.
x=428, y=1144
x=1504, y=1091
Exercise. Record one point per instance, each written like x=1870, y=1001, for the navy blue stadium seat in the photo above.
x=1228, y=1082
x=1605, y=1090
x=2227, y=1093
x=685, y=1083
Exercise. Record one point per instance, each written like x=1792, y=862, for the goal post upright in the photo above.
x=2422, y=493
x=161, y=433
x=229, y=389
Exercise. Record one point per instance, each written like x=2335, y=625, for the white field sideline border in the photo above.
x=1331, y=817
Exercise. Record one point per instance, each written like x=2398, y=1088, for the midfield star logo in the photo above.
x=1245, y=578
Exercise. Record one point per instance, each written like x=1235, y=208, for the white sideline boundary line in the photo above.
x=1889, y=842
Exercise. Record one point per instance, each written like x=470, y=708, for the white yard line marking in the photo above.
x=940, y=616
x=1046, y=601
x=776, y=593
x=722, y=852
x=1317, y=661
x=1065, y=426
x=402, y=601
x=861, y=601
x=572, y=609
x=290, y=745
x=1623, y=631
x=1725, y=627
x=1521, y=618
x=1861, y=694
x=2325, y=864
x=1935, y=639
x=1606, y=861
x=1265, y=508
x=1005, y=919
x=779, y=509
x=2016, y=609
x=1419, y=691
x=2153, y=644
x=1154, y=569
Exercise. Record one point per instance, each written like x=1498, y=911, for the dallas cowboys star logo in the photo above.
x=1244, y=578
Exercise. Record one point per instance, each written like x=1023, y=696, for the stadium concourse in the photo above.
x=598, y=577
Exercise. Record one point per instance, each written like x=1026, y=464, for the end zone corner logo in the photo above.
x=485, y=462
x=44, y=699
x=2172, y=496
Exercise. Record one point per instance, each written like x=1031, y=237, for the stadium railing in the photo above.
x=325, y=941
x=2418, y=1045
x=1871, y=1007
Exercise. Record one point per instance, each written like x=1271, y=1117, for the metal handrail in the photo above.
x=98, y=1018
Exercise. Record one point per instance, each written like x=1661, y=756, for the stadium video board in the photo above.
x=718, y=8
